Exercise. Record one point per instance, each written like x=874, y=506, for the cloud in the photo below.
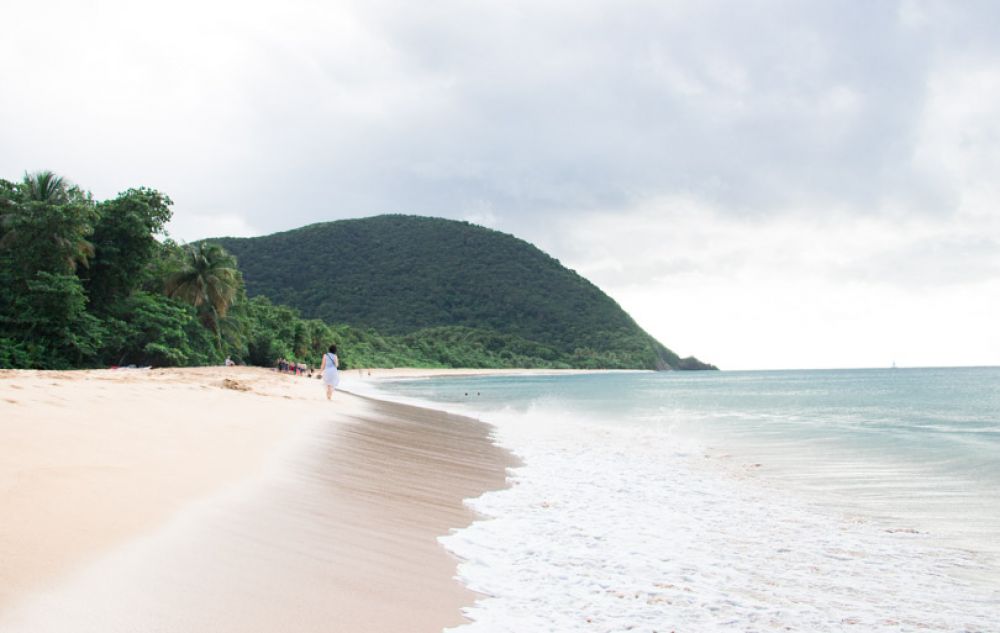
x=793, y=289
x=359, y=108
x=697, y=153
x=684, y=235
x=213, y=224
x=602, y=105
x=352, y=108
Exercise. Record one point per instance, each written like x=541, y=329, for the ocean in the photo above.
x=865, y=500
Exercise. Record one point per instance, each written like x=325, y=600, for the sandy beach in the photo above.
x=229, y=500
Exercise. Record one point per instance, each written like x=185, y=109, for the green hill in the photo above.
x=428, y=278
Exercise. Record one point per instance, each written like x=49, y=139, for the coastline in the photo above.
x=419, y=372
x=163, y=497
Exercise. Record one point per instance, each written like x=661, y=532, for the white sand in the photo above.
x=161, y=499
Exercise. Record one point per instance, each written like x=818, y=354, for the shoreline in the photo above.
x=417, y=372
x=205, y=496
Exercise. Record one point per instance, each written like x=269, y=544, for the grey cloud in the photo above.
x=538, y=109
x=930, y=263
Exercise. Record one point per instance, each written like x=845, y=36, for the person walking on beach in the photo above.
x=329, y=368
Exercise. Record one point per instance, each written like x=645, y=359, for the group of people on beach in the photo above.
x=291, y=367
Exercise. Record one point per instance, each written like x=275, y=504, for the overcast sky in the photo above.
x=761, y=184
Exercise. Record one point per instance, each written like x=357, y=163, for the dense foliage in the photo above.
x=90, y=283
x=435, y=284
x=82, y=280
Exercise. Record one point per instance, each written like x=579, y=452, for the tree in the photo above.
x=207, y=279
x=151, y=329
x=270, y=331
x=125, y=245
x=47, y=222
x=45, y=225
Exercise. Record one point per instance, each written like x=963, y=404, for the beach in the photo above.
x=239, y=499
x=229, y=499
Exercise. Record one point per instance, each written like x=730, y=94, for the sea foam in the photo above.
x=621, y=529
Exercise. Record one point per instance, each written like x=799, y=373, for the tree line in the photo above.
x=88, y=283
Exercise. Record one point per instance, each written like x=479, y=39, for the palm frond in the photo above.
x=209, y=281
x=45, y=186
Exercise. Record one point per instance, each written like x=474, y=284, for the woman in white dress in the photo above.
x=329, y=368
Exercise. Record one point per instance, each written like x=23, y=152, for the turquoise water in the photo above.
x=817, y=501
x=917, y=446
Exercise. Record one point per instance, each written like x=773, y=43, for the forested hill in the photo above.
x=406, y=275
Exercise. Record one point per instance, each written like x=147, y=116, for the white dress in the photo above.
x=330, y=375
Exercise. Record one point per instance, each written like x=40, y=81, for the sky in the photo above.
x=762, y=184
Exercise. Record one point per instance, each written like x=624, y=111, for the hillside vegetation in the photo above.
x=90, y=283
x=441, y=292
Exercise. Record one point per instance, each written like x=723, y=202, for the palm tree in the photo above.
x=51, y=214
x=209, y=281
x=48, y=188
x=45, y=186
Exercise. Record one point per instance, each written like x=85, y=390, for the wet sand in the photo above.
x=272, y=510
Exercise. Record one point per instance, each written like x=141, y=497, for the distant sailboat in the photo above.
x=893, y=365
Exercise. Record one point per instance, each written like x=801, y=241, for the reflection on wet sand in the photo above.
x=340, y=535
